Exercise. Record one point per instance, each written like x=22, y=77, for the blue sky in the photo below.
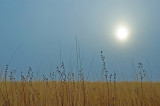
x=37, y=29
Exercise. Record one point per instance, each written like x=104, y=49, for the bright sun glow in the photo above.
x=122, y=33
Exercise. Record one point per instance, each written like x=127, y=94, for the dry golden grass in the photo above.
x=54, y=93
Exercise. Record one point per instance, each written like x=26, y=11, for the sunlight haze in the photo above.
x=43, y=33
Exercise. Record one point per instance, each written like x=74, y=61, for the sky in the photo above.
x=43, y=33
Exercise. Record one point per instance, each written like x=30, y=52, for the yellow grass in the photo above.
x=54, y=93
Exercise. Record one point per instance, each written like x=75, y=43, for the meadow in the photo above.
x=66, y=91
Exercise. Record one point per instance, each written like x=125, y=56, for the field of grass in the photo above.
x=66, y=91
x=80, y=93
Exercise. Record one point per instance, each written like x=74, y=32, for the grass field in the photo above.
x=66, y=91
x=63, y=93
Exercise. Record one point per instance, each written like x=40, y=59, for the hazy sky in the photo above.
x=33, y=31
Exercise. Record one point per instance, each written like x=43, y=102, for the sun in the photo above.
x=122, y=33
